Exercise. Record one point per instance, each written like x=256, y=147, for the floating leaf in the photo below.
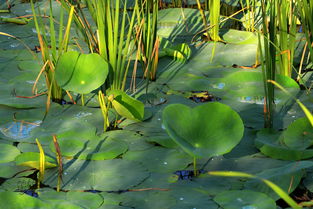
x=268, y=142
x=159, y=159
x=32, y=159
x=204, y=131
x=286, y=177
x=94, y=149
x=81, y=73
x=18, y=184
x=299, y=134
x=103, y=175
x=82, y=199
x=245, y=199
x=20, y=200
x=8, y=153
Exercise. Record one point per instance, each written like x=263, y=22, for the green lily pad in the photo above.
x=159, y=159
x=187, y=196
x=244, y=199
x=204, y=131
x=103, y=175
x=299, y=134
x=236, y=82
x=81, y=199
x=17, y=184
x=8, y=153
x=269, y=143
x=94, y=149
x=286, y=177
x=149, y=199
x=9, y=92
x=11, y=169
x=81, y=73
x=19, y=200
x=31, y=159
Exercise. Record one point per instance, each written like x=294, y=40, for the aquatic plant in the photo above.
x=112, y=37
x=50, y=55
x=205, y=131
x=146, y=35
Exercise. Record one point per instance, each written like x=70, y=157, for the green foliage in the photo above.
x=205, y=131
x=32, y=159
x=81, y=73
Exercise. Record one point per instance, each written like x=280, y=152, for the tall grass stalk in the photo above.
x=214, y=10
x=306, y=17
x=287, y=29
x=59, y=160
x=147, y=41
x=51, y=49
x=214, y=16
x=250, y=17
x=306, y=111
x=41, y=164
x=268, y=58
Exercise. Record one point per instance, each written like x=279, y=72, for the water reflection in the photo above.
x=19, y=129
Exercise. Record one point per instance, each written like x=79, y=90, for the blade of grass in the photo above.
x=273, y=186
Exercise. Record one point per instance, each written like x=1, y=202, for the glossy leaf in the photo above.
x=204, y=131
x=8, y=153
x=81, y=73
x=299, y=134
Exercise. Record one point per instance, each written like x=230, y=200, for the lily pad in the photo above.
x=104, y=175
x=31, y=159
x=81, y=199
x=17, y=184
x=269, y=143
x=11, y=169
x=204, y=131
x=94, y=149
x=150, y=199
x=299, y=134
x=244, y=199
x=81, y=73
x=20, y=200
x=8, y=153
x=286, y=177
x=159, y=159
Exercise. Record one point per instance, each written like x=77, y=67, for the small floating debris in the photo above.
x=203, y=96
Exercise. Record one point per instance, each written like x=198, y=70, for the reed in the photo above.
x=268, y=58
x=51, y=49
x=146, y=36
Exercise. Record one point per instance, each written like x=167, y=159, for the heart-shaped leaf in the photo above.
x=204, y=131
x=127, y=106
x=81, y=73
x=299, y=134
